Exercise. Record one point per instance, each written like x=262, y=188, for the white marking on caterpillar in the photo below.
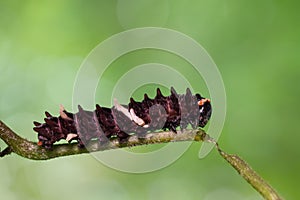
x=201, y=110
x=122, y=109
x=131, y=115
x=70, y=136
x=62, y=114
x=137, y=120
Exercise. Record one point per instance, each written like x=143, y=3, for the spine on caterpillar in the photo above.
x=121, y=121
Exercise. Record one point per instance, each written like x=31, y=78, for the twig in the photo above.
x=244, y=169
x=31, y=150
x=5, y=152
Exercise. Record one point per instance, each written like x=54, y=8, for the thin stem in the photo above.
x=245, y=170
x=256, y=181
x=5, y=152
x=31, y=150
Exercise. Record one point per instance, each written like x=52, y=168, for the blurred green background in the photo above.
x=255, y=44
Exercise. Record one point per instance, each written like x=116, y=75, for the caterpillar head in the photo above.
x=205, y=110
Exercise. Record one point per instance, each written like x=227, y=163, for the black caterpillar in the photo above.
x=123, y=120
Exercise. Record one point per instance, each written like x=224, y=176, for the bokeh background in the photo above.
x=255, y=44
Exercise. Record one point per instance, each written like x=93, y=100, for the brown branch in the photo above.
x=31, y=150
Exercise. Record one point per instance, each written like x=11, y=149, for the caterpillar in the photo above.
x=121, y=121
